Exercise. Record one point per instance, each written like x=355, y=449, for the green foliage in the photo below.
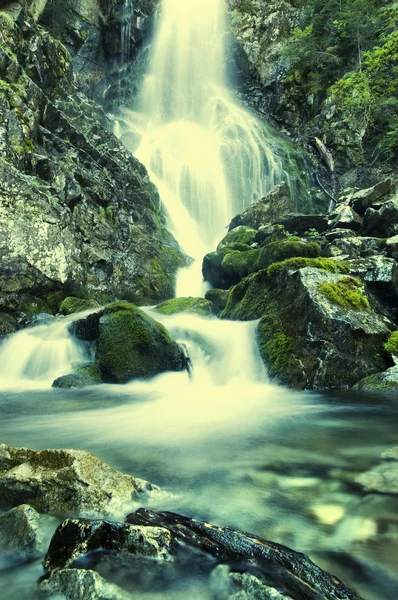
x=325, y=264
x=348, y=293
x=391, y=344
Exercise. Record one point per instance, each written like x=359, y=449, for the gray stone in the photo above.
x=344, y=217
x=382, y=222
x=20, y=531
x=385, y=382
x=65, y=482
x=76, y=537
x=391, y=246
x=371, y=197
x=74, y=584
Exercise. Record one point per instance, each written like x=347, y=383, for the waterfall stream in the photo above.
x=209, y=157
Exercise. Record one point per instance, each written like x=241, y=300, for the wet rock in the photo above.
x=198, y=306
x=276, y=204
x=382, y=222
x=354, y=247
x=289, y=571
x=227, y=585
x=73, y=305
x=35, y=320
x=65, y=482
x=380, y=274
x=249, y=299
x=391, y=246
x=132, y=345
x=20, y=531
x=85, y=375
x=239, y=238
x=218, y=299
x=71, y=584
x=76, y=537
x=338, y=234
x=225, y=268
x=7, y=324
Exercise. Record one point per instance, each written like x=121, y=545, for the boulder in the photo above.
x=70, y=584
x=331, y=339
x=249, y=299
x=284, y=249
x=198, y=306
x=132, y=345
x=76, y=537
x=20, y=531
x=344, y=217
x=371, y=197
x=85, y=375
x=380, y=274
x=391, y=246
x=73, y=305
x=240, y=238
x=65, y=482
x=225, y=268
x=382, y=222
x=218, y=299
x=276, y=204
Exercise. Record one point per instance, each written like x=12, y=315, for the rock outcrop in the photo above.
x=78, y=214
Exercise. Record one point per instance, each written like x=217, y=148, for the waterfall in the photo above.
x=209, y=157
x=125, y=30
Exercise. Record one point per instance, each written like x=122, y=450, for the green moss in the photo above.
x=240, y=264
x=90, y=371
x=54, y=299
x=348, y=293
x=239, y=238
x=325, y=264
x=218, y=299
x=391, y=344
x=29, y=145
x=118, y=306
x=285, y=249
x=73, y=305
x=198, y=306
x=249, y=299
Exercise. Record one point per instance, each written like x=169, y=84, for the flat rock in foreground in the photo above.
x=65, y=482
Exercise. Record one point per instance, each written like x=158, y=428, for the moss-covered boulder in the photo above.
x=319, y=330
x=239, y=238
x=284, y=249
x=248, y=300
x=218, y=299
x=132, y=345
x=198, y=306
x=386, y=381
x=73, y=305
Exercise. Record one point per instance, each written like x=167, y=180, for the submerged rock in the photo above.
x=76, y=537
x=65, y=482
x=20, y=531
x=71, y=584
x=84, y=376
x=382, y=478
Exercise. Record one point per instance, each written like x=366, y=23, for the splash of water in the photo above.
x=209, y=157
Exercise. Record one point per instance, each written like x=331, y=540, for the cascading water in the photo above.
x=125, y=30
x=36, y=356
x=209, y=157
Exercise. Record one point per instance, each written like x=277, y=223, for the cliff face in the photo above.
x=78, y=214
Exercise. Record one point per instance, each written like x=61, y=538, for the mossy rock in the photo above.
x=72, y=305
x=347, y=293
x=239, y=238
x=132, y=345
x=218, y=299
x=248, y=300
x=198, y=306
x=7, y=324
x=386, y=382
x=391, y=344
x=237, y=265
x=282, y=250
x=324, y=264
x=84, y=375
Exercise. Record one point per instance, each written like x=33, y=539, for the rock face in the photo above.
x=20, y=531
x=81, y=583
x=129, y=344
x=75, y=537
x=78, y=214
x=65, y=482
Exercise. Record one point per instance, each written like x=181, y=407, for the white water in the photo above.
x=125, y=32
x=34, y=357
x=209, y=157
